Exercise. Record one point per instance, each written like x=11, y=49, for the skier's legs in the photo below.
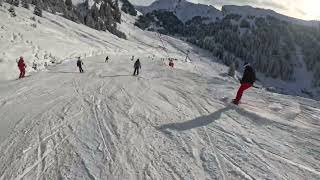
x=23, y=72
x=20, y=76
x=242, y=88
x=135, y=70
x=80, y=69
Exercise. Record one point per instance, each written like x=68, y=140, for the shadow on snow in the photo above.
x=206, y=120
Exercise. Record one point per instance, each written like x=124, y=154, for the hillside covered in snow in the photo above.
x=167, y=123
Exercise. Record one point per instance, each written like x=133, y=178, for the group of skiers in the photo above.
x=137, y=65
x=247, y=81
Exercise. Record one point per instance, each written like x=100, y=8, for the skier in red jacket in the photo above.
x=22, y=67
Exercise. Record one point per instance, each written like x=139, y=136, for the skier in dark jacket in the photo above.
x=137, y=66
x=171, y=64
x=247, y=81
x=79, y=64
x=107, y=59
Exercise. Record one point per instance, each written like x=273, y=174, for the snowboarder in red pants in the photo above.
x=247, y=81
x=22, y=67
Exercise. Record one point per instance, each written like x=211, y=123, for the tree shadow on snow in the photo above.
x=206, y=120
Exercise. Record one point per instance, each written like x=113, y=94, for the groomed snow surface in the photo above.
x=164, y=124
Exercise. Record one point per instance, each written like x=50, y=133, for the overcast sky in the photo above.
x=303, y=9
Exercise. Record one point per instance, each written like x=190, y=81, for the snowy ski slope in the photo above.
x=164, y=124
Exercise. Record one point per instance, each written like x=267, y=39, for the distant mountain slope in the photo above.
x=183, y=9
x=259, y=12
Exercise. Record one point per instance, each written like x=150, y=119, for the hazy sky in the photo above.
x=304, y=9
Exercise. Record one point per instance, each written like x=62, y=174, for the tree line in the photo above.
x=102, y=15
x=268, y=43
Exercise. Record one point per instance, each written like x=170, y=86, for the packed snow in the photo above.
x=166, y=123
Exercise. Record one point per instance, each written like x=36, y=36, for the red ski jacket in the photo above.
x=21, y=64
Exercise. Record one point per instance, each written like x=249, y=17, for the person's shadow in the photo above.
x=206, y=120
x=195, y=123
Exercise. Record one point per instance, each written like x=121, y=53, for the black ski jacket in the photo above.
x=79, y=63
x=137, y=65
x=249, y=76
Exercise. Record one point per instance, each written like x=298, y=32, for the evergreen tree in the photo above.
x=12, y=11
x=25, y=4
x=89, y=21
x=34, y=2
x=69, y=4
x=16, y=3
x=37, y=11
x=128, y=8
x=117, y=12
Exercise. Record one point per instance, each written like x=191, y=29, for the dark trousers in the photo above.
x=80, y=69
x=22, y=72
x=136, y=71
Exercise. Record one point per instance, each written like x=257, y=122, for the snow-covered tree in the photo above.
x=12, y=11
x=232, y=69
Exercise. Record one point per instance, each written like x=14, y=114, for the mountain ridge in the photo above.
x=185, y=10
x=213, y=13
